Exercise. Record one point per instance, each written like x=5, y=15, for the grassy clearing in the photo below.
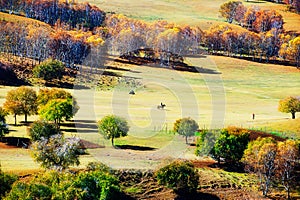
x=285, y=127
x=193, y=12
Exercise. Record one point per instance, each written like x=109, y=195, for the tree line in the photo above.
x=74, y=14
x=157, y=41
x=51, y=104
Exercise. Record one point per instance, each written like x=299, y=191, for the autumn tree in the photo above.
x=214, y=37
x=186, y=127
x=240, y=12
x=289, y=105
x=45, y=95
x=260, y=158
x=266, y=20
x=112, y=126
x=228, y=10
x=291, y=50
x=36, y=43
x=250, y=17
x=287, y=156
x=67, y=48
x=22, y=100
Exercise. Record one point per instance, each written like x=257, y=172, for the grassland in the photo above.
x=193, y=12
x=225, y=91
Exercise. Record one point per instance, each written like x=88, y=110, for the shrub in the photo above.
x=40, y=129
x=6, y=182
x=97, y=185
x=180, y=176
x=56, y=152
x=98, y=166
x=49, y=69
x=67, y=186
x=21, y=191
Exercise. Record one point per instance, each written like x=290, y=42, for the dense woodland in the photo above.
x=78, y=28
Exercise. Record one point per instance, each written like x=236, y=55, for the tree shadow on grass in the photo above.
x=16, y=141
x=134, y=147
x=74, y=130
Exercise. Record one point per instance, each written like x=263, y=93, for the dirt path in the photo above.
x=135, y=159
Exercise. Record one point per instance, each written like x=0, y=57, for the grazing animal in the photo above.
x=161, y=106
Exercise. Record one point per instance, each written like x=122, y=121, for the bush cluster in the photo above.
x=66, y=186
x=49, y=69
x=180, y=176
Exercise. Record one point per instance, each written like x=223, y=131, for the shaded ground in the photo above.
x=89, y=145
x=14, y=142
x=9, y=76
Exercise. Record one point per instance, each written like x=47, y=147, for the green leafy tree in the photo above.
x=22, y=100
x=186, y=127
x=230, y=146
x=49, y=69
x=56, y=152
x=181, y=176
x=56, y=104
x=112, y=127
x=205, y=142
x=289, y=105
x=42, y=129
x=57, y=109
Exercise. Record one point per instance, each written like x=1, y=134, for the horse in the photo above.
x=161, y=106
